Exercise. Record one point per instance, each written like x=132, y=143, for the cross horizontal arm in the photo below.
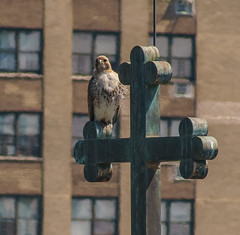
x=164, y=149
x=95, y=151
x=118, y=150
x=158, y=149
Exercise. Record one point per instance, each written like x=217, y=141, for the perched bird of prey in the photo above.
x=105, y=92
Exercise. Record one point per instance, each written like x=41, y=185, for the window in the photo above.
x=87, y=46
x=78, y=123
x=183, y=90
x=177, y=217
x=20, y=51
x=179, y=52
x=184, y=7
x=94, y=216
x=20, y=134
x=19, y=215
x=169, y=127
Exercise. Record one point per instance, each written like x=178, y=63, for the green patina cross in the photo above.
x=145, y=149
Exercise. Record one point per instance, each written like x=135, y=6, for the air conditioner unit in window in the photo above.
x=183, y=90
x=185, y=7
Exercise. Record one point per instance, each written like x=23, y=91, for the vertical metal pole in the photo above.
x=153, y=197
x=154, y=22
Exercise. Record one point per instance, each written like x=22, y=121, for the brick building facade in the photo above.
x=46, y=54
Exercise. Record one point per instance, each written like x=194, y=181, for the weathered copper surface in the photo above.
x=145, y=149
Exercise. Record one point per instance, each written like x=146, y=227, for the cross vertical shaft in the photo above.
x=138, y=133
x=153, y=193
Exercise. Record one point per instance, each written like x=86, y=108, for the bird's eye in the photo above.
x=105, y=60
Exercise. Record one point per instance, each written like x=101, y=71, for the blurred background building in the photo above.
x=47, y=49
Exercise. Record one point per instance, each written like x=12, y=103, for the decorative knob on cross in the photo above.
x=198, y=148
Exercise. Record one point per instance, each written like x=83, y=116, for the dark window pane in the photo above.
x=163, y=211
x=6, y=148
x=7, y=227
x=29, y=41
x=28, y=61
x=28, y=208
x=81, y=228
x=182, y=47
x=180, y=212
x=163, y=229
x=105, y=209
x=6, y=139
x=25, y=139
x=174, y=127
x=7, y=61
x=161, y=44
x=104, y=228
x=179, y=229
x=81, y=209
x=106, y=44
x=27, y=52
x=82, y=43
x=77, y=128
x=78, y=124
x=28, y=145
x=7, y=207
x=81, y=64
x=7, y=40
x=164, y=128
x=113, y=61
x=27, y=227
x=181, y=68
x=7, y=124
x=28, y=124
x=24, y=211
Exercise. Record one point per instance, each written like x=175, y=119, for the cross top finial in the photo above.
x=142, y=55
x=147, y=59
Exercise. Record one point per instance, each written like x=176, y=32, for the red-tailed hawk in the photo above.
x=105, y=92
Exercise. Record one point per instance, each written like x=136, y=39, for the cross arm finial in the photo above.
x=198, y=148
x=94, y=172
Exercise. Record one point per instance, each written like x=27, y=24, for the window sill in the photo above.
x=20, y=158
x=81, y=77
x=20, y=75
x=181, y=80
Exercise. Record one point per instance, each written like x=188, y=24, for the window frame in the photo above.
x=169, y=121
x=16, y=215
x=93, y=219
x=15, y=135
x=168, y=220
x=17, y=50
x=116, y=128
x=93, y=54
x=169, y=58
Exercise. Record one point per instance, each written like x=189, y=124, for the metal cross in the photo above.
x=145, y=149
